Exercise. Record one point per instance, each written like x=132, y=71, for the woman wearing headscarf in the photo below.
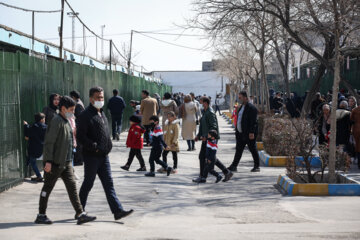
x=52, y=108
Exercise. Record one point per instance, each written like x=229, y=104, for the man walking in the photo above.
x=148, y=108
x=79, y=108
x=208, y=122
x=116, y=106
x=246, y=129
x=93, y=134
x=58, y=154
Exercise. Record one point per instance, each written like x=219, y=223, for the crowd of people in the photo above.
x=347, y=117
x=67, y=133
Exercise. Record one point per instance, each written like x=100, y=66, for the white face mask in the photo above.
x=98, y=104
x=69, y=115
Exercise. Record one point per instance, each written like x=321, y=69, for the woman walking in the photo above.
x=188, y=115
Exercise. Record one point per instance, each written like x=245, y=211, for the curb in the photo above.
x=281, y=161
x=318, y=189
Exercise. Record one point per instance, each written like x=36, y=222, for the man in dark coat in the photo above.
x=246, y=129
x=116, y=107
x=93, y=134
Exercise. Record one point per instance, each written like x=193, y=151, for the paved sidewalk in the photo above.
x=247, y=207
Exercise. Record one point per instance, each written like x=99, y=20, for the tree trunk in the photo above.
x=265, y=100
x=332, y=145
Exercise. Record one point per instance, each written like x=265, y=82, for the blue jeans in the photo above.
x=116, y=124
x=32, y=162
x=95, y=165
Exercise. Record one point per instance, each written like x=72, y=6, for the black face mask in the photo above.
x=152, y=125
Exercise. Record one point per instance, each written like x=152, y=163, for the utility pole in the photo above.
x=61, y=29
x=102, y=42
x=33, y=30
x=129, y=60
x=110, y=53
x=73, y=16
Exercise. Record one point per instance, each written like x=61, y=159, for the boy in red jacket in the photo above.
x=135, y=142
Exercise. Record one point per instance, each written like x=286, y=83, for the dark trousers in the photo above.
x=135, y=152
x=78, y=156
x=202, y=158
x=50, y=179
x=217, y=109
x=32, y=162
x=241, y=142
x=155, y=155
x=191, y=144
x=209, y=167
x=97, y=165
x=147, y=133
x=175, y=158
x=116, y=124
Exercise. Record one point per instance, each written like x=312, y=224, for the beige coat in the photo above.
x=189, y=121
x=171, y=135
x=167, y=106
x=148, y=108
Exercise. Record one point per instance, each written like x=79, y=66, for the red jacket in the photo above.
x=134, y=139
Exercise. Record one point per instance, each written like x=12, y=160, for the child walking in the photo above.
x=171, y=136
x=158, y=144
x=135, y=142
x=211, y=149
x=35, y=135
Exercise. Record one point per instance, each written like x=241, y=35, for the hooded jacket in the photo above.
x=135, y=139
x=167, y=106
x=171, y=135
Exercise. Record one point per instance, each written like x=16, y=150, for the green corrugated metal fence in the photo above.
x=26, y=83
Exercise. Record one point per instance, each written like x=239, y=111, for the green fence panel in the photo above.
x=26, y=84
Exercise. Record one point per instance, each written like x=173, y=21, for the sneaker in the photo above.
x=189, y=150
x=39, y=179
x=228, y=176
x=168, y=171
x=42, y=219
x=218, y=178
x=117, y=137
x=122, y=214
x=126, y=168
x=255, y=169
x=161, y=170
x=150, y=174
x=84, y=218
x=199, y=180
x=194, y=148
x=232, y=169
x=174, y=171
x=142, y=169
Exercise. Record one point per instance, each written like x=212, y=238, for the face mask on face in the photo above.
x=152, y=125
x=98, y=104
x=69, y=115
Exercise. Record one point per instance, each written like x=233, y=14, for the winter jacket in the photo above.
x=59, y=144
x=148, y=108
x=36, y=135
x=135, y=139
x=157, y=138
x=116, y=106
x=166, y=107
x=211, y=149
x=249, y=122
x=93, y=132
x=171, y=135
x=208, y=122
x=342, y=126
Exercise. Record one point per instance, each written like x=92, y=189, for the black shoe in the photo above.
x=168, y=171
x=228, y=176
x=78, y=163
x=84, y=218
x=232, y=169
x=142, y=169
x=218, y=178
x=42, y=219
x=255, y=169
x=199, y=180
x=150, y=174
x=193, y=149
x=189, y=150
x=126, y=168
x=122, y=214
x=117, y=137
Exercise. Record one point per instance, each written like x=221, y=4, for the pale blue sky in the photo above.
x=119, y=16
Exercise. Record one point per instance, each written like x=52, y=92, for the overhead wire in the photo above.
x=29, y=10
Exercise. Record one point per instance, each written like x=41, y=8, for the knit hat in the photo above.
x=135, y=119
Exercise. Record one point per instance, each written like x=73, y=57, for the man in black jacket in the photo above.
x=79, y=108
x=93, y=134
x=246, y=130
x=116, y=107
